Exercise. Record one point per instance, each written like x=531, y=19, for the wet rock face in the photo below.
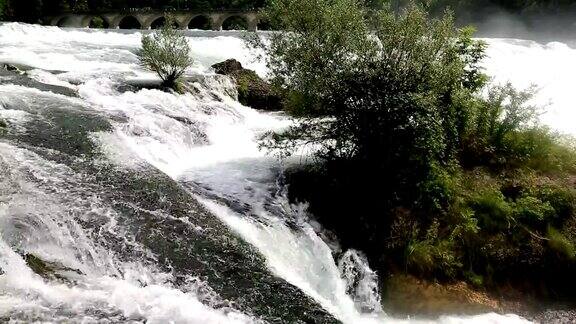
x=253, y=91
x=151, y=208
x=10, y=74
x=227, y=67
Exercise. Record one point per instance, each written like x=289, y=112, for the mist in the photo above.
x=544, y=28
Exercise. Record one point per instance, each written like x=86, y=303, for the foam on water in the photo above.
x=551, y=67
x=39, y=214
x=208, y=142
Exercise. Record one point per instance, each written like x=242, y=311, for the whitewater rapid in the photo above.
x=207, y=142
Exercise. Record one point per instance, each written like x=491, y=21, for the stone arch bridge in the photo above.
x=151, y=19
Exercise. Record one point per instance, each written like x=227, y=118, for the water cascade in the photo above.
x=121, y=203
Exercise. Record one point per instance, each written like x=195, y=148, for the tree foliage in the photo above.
x=391, y=90
x=167, y=53
x=417, y=161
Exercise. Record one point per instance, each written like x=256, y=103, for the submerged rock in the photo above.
x=10, y=74
x=253, y=91
x=48, y=270
x=11, y=68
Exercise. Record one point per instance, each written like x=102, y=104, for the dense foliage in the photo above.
x=417, y=161
x=167, y=53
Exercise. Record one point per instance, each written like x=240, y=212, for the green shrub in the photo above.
x=561, y=244
x=97, y=22
x=561, y=198
x=532, y=210
x=473, y=278
x=389, y=90
x=433, y=255
x=432, y=174
x=493, y=127
x=491, y=209
x=546, y=151
x=167, y=53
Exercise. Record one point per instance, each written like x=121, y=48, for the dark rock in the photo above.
x=227, y=67
x=19, y=78
x=137, y=85
x=11, y=68
x=253, y=91
x=48, y=270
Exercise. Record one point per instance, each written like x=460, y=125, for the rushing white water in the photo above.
x=550, y=67
x=207, y=142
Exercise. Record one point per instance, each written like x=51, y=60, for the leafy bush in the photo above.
x=390, y=90
x=434, y=255
x=167, y=53
x=415, y=164
x=560, y=243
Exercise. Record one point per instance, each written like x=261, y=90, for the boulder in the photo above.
x=227, y=67
x=253, y=91
x=11, y=68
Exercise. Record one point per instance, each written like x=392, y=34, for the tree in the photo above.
x=391, y=90
x=167, y=53
x=81, y=6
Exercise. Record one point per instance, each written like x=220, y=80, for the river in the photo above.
x=155, y=207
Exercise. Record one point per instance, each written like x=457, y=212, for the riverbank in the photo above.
x=407, y=296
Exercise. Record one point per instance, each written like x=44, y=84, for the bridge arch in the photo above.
x=148, y=20
x=145, y=20
x=96, y=22
x=129, y=22
x=65, y=21
x=235, y=22
x=200, y=22
x=159, y=22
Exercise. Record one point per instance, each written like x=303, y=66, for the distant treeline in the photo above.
x=33, y=10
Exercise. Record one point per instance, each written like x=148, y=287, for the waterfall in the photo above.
x=56, y=205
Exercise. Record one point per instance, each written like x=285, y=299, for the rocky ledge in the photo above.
x=253, y=91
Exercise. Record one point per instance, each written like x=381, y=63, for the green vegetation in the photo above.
x=2, y=8
x=167, y=53
x=417, y=161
